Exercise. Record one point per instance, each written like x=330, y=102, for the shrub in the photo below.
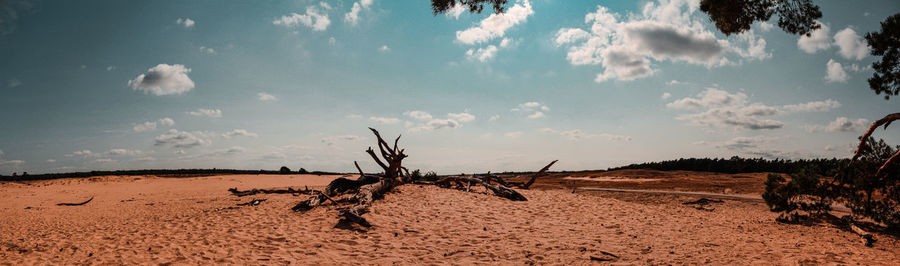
x=303, y=171
x=284, y=170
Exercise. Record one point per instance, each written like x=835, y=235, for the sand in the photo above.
x=188, y=221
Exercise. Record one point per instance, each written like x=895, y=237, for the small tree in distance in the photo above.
x=284, y=170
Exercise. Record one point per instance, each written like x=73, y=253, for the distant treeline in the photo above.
x=739, y=165
x=158, y=172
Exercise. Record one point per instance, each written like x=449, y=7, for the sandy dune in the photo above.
x=187, y=220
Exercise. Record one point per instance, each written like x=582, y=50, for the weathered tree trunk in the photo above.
x=500, y=191
x=886, y=121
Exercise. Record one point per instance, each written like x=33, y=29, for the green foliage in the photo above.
x=886, y=44
x=737, y=164
x=805, y=193
x=284, y=170
x=856, y=185
x=868, y=194
x=474, y=6
x=416, y=175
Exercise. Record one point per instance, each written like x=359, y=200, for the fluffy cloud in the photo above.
x=835, y=72
x=313, y=18
x=496, y=25
x=482, y=54
x=753, y=146
x=330, y=140
x=266, y=97
x=163, y=79
x=12, y=83
x=850, y=44
x=514, y=134
x=384, y=120
x=576, y=135
x=81, y=153
x=456, y=11
x=453, y=121
x=665, y=95
x=817, y=106
x=533, y=109
x=186, y=22
x=841, y=124
x=213, y=113
x=384, y=49
x=4, y=162
x=207, y=50
x=418, y=115
x=817, y=40
x=151, y=125
x=119, y=152
x=352, y=17
x=670, y=30
x=724, y=109
x=461, y=117
x=239, y=132
x=181, y=139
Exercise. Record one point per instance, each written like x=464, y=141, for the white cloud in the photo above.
x=753, y=146
x=104, y=160
x=842, y=124
x=181, y=139
x=110, y=68
x=835, y=72
x=533, y=109
x=81, y=153
x=163, y=79
x=152, y=125
x=12, y=83
x=384, y=120
x=496, y=25
x=765, y=26
x=186, y=22
x=482, y=54
x=418, y=115
x=119, y=152
x=313, y=18
x=817, y=106
x=850, y=44
x=353, y=116
x=51, y=160
x=456, y=11
x=239, y=132
x=666, y=95
x=576, y=135
x=667, y=31
x=494, y=118
x=332, y=41
x=724, y=109
x=207, y=50
x=817, y=40
x=213, y=113
x=330, y=140
x=352, y=17
x=514, y=134
x=570, y=35
x=384, y=49
x=461, y=117
x=266, y=97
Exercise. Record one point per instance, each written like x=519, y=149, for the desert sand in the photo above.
x=144, y=220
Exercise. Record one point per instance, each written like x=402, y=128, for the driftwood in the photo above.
x=534, y=177
x=886, y=121
x=500, y=191
x=352, y=198
x=867, y=237
x=75, y=204
x=255, y=191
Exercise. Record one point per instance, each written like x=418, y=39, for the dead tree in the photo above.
x=886, y=121
x=352, y=198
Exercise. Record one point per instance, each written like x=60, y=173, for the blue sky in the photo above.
x=92, y=85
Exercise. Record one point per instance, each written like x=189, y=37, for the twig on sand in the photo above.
x=76, y=204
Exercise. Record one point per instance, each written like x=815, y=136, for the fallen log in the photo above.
x=75, y=204
x=527, y=184
x=255, y=191
x=500, y=191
